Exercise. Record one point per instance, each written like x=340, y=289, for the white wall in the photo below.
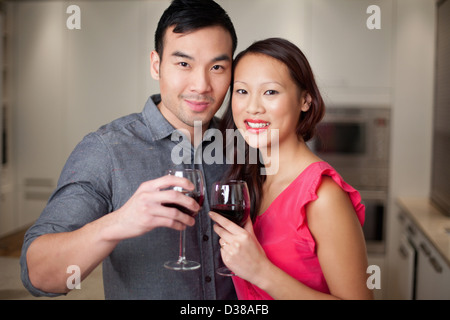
x=412, y=109
x=413, y=95
x=67, y=83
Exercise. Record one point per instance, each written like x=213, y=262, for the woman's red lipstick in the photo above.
x=256, y=125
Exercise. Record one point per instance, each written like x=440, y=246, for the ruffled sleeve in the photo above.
x=308, y=186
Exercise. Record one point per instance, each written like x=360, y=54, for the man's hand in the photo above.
x=145, y=210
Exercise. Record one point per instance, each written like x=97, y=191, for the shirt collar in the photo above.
x=159, y=127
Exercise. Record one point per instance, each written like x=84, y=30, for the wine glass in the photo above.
x=196, y=177
x=231, y=199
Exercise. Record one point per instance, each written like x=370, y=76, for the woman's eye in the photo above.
x=241, y=91
x=271, y=92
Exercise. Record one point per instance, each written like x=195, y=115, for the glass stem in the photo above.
x=182, y=257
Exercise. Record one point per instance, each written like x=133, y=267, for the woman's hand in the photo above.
x=240, y=250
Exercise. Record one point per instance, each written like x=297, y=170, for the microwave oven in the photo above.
x=355, y=140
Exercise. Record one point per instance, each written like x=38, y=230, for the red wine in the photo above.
x=235, y=213
x=197, y=197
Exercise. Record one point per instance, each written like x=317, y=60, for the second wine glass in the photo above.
x=231, y=199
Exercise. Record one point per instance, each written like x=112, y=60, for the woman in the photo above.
x=304, y=239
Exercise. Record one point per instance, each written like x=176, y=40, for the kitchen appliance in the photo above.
x=355, y=141
x=440, y=178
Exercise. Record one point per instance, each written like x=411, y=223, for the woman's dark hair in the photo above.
x=301, y=73
x=191, y=15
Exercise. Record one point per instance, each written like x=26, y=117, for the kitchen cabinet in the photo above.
x=421, y=269
x=351, y=61
x=401, y=280
x=405, y=270
x=260, y=19
x=432, y=273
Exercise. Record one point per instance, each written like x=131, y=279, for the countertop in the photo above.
x=434, y=225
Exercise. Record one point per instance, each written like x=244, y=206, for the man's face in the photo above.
x=194, y=75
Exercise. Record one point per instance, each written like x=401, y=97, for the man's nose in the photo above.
x=200, y=81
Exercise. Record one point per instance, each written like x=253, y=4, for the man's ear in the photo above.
x=154, y=64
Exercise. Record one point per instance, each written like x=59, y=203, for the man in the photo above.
x=108, y=206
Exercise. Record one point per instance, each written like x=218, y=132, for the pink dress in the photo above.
x=283, y=232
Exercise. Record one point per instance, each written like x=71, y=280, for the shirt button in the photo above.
x=208, y=279
x=205, y=238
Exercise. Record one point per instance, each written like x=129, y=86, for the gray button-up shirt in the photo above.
x=101, y=174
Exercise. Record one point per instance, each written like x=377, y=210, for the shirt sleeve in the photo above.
x=83, y=194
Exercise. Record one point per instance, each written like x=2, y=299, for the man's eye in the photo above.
x=183, y=64
x=217, y=67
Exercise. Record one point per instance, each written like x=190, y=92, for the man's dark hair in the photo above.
x=191, y=15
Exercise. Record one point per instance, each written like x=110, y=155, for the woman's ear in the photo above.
x=306, y=102
x=154, y=64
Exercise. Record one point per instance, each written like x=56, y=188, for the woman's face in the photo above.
x=265, y=100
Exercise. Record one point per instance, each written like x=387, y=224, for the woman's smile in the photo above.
x=256, y=125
